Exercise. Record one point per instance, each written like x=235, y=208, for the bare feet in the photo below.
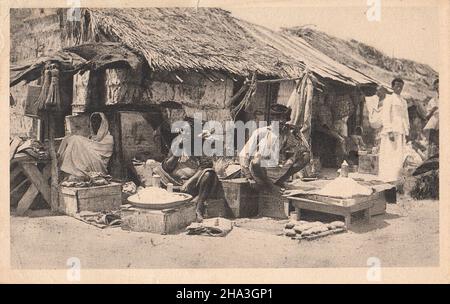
x=199, y=216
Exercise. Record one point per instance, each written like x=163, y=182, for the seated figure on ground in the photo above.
x=194, y=174
x=79, y=155
x=270, y=159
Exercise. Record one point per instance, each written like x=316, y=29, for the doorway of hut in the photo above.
x=337, y=115
x=257, y=108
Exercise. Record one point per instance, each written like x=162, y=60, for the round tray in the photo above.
x=184, y=197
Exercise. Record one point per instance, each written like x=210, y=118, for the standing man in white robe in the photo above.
x=393, y=134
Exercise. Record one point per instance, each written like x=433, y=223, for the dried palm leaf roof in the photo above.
x=316, y=61
x=371, y=61
x=211, y=39
x=188, y=39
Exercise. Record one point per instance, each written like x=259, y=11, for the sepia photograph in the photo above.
x=267, y=134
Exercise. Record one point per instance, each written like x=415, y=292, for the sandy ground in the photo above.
x=407, y=235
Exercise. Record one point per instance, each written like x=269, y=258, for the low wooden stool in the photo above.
x=39, y=180
x=345, y=210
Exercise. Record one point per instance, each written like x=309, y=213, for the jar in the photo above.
x=344, y=169
x=156, y=181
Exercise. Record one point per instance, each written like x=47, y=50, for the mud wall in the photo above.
x=34, y=32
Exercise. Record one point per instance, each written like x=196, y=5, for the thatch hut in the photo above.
x=200, y=59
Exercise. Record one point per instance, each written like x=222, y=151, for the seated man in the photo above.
x=270, y=158
x=195, y=175
x=79, y=155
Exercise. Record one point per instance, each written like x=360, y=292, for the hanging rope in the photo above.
x=245, y=101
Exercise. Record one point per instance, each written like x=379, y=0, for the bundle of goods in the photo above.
x=427, y=183
x=30, y=146
x=158, y=198
x=212, y=227
x=302, y=230
x=312, y=170
x=226, y=168
x=129, y=188
x=100, y=219
x=90, y=180
x=426, y=186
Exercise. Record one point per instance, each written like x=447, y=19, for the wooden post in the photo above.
x=118, y=170
x=27, y=199
x=348, y=220
x=54, y=200
x=268, y=103
x=299, y=213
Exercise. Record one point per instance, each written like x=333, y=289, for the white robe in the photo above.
x=79, y=155
x=395, y=120
x=264, y=143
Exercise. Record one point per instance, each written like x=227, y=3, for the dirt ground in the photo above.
x=407, y=235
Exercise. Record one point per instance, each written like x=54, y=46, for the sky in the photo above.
x=402, y=32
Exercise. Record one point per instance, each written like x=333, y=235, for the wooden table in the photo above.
x=39, y=180
x=304, y=198
x=336, y=208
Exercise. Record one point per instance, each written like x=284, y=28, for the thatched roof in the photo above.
x=188, y=39
x=370, y=61
x=316, y=61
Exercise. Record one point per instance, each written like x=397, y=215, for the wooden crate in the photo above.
x=368, y=164
x=379, y=203
x=99, y=198
x=273, y=205
x=158, y=221
x=379, y=207
x=241, y=199
x=217, y=208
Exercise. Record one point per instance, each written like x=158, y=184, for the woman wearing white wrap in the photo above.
x=79, y=155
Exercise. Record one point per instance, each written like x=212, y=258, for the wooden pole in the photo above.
x=54, y=200
x=268, y=103
x=278, y=80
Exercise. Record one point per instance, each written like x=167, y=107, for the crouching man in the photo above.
x=272, y=155
x=194, y=175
